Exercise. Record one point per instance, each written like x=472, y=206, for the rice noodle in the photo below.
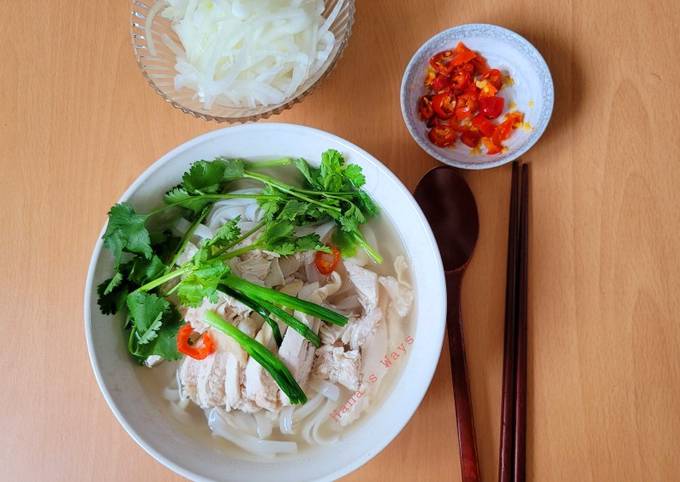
x=323, y=230
x=181, y=226
x=227, y=209
x=327, y=389
x=203, y=232
x=171, y=394
x=178, y=403
x=264, y=425
x=302, y=412
x=241, y=421
x=267, y=448
x=310, y=429
x=286, y=420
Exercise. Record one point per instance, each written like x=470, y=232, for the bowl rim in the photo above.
x=462, y=30
x=277, y=109
x=430, y=356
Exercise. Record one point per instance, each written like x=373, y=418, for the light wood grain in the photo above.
x=78, y=124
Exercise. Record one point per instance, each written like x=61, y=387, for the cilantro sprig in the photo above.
x=145, y=260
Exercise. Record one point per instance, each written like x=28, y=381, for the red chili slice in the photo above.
x=484, y=125
x=495, y=77
x=327, y=262
x=491, y=147
x=461, y=79
x=441, y=62
x=466, y=105
x=443, y=105
x=193, y=350
x=442, y=135
x=470, y=138
x=425, y=108
x=463, y=58
x=480, y=65
x=515, y=118
x=491, y=107
x=440, y=83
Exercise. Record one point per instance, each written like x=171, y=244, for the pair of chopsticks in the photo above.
x=512, y=459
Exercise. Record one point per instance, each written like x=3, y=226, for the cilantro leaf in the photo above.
x=351, y=218
x=331, y=170
x=233, y=168
x=164, y=343
x=279, y=237
x=226, y=234
x=180, y=197
x=355, y=175
x=126, y=232
x=151, y=333
x=294, y=210
x=311, y=174
x=272, y=202
x=204, y=177
x=164, y=244
x=276, y=232
x=309, y=242
x=111, y=295
x=202, y=283
x=142, y=270
x=366, y=204
x=112, y=283
x=345, y=243
x=146, y=312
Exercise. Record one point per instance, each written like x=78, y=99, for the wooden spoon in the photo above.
x=449, y=205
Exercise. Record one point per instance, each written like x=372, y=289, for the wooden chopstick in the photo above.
x=511, y=467
x=521, y=366
x=506, y=456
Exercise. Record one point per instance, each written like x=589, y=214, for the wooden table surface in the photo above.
x=78, y=124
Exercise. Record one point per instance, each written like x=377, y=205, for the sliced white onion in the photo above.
x=240, y=54
x=148, y=34
x=331, y=17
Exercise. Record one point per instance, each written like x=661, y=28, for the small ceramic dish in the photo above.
x=531, y=91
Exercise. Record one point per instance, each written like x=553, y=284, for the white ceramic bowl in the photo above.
x=141, y=409
x=532, y=90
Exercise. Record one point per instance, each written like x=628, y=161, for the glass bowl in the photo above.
x=159, y=69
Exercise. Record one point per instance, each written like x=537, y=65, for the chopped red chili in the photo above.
x=462, y=98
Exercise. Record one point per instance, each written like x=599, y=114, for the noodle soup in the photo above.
x=343, y=391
